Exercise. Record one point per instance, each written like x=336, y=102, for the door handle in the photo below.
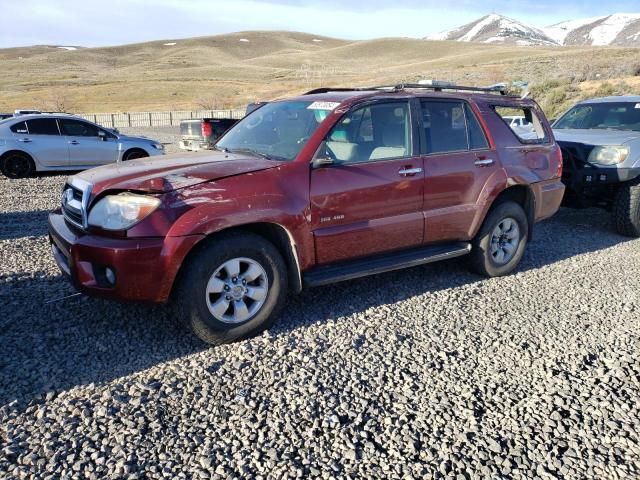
x=24, y=140
x=409, y=171
x=484, y=162
x=74, y=142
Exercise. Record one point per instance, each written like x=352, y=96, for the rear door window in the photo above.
x=529, y=129
x=43, y=126
x=451, y=126
x=76, y=128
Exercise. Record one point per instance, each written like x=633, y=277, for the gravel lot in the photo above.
x=430, y=372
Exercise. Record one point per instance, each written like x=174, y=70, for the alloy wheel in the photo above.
x=237, y=290
x=504, y=241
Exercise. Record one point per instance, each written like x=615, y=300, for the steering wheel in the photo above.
x=254, y=122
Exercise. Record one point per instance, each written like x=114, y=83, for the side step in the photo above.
x=339, y=272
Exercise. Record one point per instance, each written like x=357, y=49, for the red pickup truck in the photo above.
x=321, y=188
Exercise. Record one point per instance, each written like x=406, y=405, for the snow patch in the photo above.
x=477, y=28
x=170, y=44
x=610, y=28
x=68, y=48
x=560, y=31
x=317, y=40
x=243, y=40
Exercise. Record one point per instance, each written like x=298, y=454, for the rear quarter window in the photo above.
x=529, y=129
x=20, y=127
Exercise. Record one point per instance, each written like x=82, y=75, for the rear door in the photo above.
x=41, y=138
x=89, y=145
x=369, y=199
x=459, y=161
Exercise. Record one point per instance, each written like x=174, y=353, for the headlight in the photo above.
x=608, y=155
x=119, y=212
x=157, y=146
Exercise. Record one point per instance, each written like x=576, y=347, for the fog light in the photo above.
x=588, y=178
x=110, y=275
x=603, y=178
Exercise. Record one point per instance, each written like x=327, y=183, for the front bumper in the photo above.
x=580, y=178
x=145, y=268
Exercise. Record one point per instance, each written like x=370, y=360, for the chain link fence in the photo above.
x=156, y=119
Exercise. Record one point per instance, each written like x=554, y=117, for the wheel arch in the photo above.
x=523, y=196
x=30, y=157
x=134, y=149
x=21, y=152
x=275, y=233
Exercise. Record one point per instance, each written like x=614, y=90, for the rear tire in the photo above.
x=17, y=165
x=231, y=288
x=626, y=210
x=500, y=244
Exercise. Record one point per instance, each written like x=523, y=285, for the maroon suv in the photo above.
x=328, y=186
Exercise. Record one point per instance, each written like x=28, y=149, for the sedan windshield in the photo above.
x=615, y=116
x=277, y=130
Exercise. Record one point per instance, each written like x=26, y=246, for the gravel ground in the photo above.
x=430, y=372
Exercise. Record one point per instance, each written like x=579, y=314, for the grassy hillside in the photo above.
x=227, y=70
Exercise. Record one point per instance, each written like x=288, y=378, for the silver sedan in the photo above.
x=48, y=142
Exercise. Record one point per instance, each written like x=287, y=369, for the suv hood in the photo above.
x=172, y=172
x=595, y=137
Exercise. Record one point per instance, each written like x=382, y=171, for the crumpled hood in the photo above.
x=172, y=172
x=595, y=137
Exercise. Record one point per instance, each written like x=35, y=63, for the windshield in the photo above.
x=616, y=116
x=277, y=130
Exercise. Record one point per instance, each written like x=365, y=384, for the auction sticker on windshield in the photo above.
x=323, y=105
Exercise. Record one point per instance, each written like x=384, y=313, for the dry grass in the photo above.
x=152, y=76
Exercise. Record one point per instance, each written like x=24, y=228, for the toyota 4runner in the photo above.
x=325, y=187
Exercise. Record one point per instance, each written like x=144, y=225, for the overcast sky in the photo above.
x=114, y=22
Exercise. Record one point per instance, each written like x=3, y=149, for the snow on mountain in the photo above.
x=493, y=29
x=608, y=31
x=621, y=29
x=559, y=32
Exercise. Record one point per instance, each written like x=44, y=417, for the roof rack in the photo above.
x=436, y=87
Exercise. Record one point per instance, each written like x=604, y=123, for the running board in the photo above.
x=339, y=272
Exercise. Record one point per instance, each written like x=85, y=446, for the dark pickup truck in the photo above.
x=202, y=133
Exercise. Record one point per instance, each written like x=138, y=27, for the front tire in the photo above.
x=133, y=154
x=17, y=165
x=500, y=244
x=231, y=288
x=626, y=210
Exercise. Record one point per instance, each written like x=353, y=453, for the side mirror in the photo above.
x=322, y=157
x=322, y=161
x=103, y=135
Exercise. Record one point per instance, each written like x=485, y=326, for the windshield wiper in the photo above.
x=254, y=152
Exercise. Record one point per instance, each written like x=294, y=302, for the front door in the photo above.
x=86, y=146
x=369, y=199
x=459, y=163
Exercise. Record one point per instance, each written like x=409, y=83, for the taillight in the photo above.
x=207, y=130
x=560, y=162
